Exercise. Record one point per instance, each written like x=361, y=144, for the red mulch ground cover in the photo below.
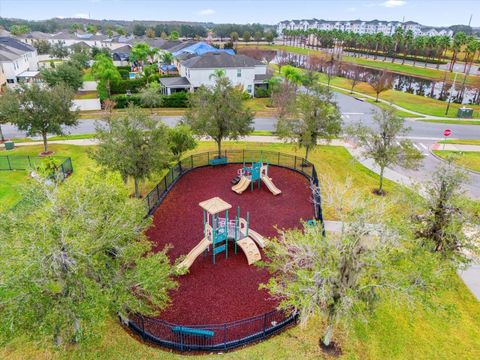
x=227, y=291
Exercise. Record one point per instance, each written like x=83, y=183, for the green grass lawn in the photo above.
x=467, y=159
x=87, y=75
x=461, y=141
x=10, y=187
x=397, y=67
x=392, y=332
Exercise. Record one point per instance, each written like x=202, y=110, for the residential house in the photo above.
x=19, y=61
x=197, y=70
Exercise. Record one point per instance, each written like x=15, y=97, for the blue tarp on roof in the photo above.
x=201, y=48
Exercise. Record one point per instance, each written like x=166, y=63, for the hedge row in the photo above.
x=176, y=100
x=381, y=54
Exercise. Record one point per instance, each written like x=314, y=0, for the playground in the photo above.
x=228, y=290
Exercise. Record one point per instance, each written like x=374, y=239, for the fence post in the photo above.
x=165, y=181
x=278, y=161
x=264, y=324
x=243, y=157
x=9, y=165
x=208, y=154
x=191, y=161
x=295, y=164
x=225, y=336
x=143, y=326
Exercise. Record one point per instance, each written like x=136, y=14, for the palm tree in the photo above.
x=397, y=37
x=459, y=39
x=472, y=45
x=418, y=45
x=167, y=59
x=431, y=44
x=444, y=43
x=407, y=41
x=379, y=37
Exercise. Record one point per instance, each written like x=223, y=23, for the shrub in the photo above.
x=245, y=95
x=134, y=85
x=176, y=100
x=127, y=68
x=122, y=101
x=124, y=73
x=262, y=92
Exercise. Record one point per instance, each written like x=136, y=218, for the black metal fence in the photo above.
x=298, y=164
x=222, y=337
x=230, y=335
x=26, y=162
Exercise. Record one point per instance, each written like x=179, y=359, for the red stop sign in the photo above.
x=447, y=132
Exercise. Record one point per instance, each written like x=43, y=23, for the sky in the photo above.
x=426, y=12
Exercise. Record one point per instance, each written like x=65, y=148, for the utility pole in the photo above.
x=470, y=21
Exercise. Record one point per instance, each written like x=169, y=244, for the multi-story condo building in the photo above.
x=362, y=27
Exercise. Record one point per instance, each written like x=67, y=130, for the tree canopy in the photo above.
x=381, y=143
x=134, y=145
x=41, y=111
x=65, y=73
x=219, y=111
x=314, y=116
x=73, y=257
x=104, y=71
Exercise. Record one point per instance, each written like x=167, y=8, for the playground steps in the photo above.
x=250, y=249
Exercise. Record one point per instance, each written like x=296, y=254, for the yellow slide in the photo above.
x=194, y=253
x=271, y=186
x=242, y=185
x=250, y=249
x=257, y=238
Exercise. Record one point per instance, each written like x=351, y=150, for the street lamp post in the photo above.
x=450, y=97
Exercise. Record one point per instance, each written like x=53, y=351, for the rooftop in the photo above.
x=220, y=60
x=214, y=205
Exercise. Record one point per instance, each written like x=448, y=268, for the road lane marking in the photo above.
x=416, y=147
x=423, y=146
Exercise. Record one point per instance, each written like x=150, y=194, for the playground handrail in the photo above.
x=234, y=334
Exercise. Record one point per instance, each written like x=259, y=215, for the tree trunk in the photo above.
x=219, y=147
x=327, y=339
x=380, y=187
x=45, y=142
x=2, y=138
x=376, y=100
x=137, y=188
x=307, y=149
x=108, y=89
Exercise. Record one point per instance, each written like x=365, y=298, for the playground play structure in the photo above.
x=249, y=175
x=219, y=230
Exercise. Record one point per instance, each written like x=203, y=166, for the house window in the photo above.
x=11, y=81
x=249, y=89
x=239, y=72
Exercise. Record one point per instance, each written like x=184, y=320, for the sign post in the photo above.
x=446, y=133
